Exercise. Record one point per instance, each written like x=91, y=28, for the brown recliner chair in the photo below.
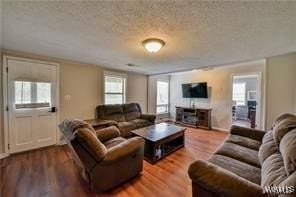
x=104, y=159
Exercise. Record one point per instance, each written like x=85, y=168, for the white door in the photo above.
x=32, y=104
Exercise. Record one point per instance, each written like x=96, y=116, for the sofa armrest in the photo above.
x=127, y=148
x=216, y=179
x=247, y=132
x=149, y=117
x=100, y=123
x=107, y=133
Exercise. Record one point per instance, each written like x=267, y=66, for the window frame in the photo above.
x=160, y=105
x=116, y=75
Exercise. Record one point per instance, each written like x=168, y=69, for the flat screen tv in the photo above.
x=195, y=90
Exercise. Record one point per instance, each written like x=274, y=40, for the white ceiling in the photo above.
x=197, y=34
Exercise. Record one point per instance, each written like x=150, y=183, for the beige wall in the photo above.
x=84, y=83
x=137, y=90
x=281, y=86
x=219, y=82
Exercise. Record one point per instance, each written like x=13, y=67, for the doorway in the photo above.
x=246, y=97
x=31, y=98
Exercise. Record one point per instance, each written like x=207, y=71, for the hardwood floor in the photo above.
x=50, y=171
x=242, y=123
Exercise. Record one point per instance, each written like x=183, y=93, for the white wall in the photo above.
x=220, y=84
x=281, y=86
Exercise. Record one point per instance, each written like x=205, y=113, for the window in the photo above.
x=43, y=92
x=239, y=93
x=22, y=92
x=32, y=94
x=162, y=105
x=114, y=89
x=251, y=95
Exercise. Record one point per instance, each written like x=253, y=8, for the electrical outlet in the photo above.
x=67, y=97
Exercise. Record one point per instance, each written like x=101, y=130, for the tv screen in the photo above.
x=195, y=90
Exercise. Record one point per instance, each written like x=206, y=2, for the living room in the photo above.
x=162, y=119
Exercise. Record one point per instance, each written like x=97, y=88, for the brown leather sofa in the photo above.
x=128, y=117
x=104, y=159
x=250, y=163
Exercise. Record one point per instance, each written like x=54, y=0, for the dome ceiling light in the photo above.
x=153, y=45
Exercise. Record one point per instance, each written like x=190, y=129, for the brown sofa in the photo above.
x=104, y=159
x=128, y=117
x=250, y=163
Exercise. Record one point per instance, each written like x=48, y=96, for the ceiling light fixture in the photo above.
x=153, y=45
x=130, y=65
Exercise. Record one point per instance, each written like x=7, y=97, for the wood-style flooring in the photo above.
x=242, y=123
x=50, y=171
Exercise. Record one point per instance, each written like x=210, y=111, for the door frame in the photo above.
x=5, y=96
x=260, y=97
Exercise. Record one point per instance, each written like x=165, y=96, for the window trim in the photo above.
x=118, y=75
x=168, y=105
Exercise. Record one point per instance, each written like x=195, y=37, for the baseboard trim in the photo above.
x=220, y=129
x=3, y=155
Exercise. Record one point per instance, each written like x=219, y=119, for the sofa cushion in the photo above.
x=268, y=137
x=210, y=180
x=288, y=151
x=88, y=139
x=267, y=148
x=288, y=182
x=107, y=133
x=129, y=148
x=240, y=153
x=237, y=167
x=131, y=111
x=282, y=117
x=114, y=142
x=273, y=170
x=113, y=112
x=140, y=123
x=125, y=128
x=244, y=141
x=282, y=127
x=247, y=132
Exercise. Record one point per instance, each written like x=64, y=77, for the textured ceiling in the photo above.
x=197, y=34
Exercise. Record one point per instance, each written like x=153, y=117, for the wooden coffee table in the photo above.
x=160, y=140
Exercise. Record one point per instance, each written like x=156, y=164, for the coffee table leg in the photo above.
x=149, y=152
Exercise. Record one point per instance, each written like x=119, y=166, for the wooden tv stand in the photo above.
x=194, y=117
